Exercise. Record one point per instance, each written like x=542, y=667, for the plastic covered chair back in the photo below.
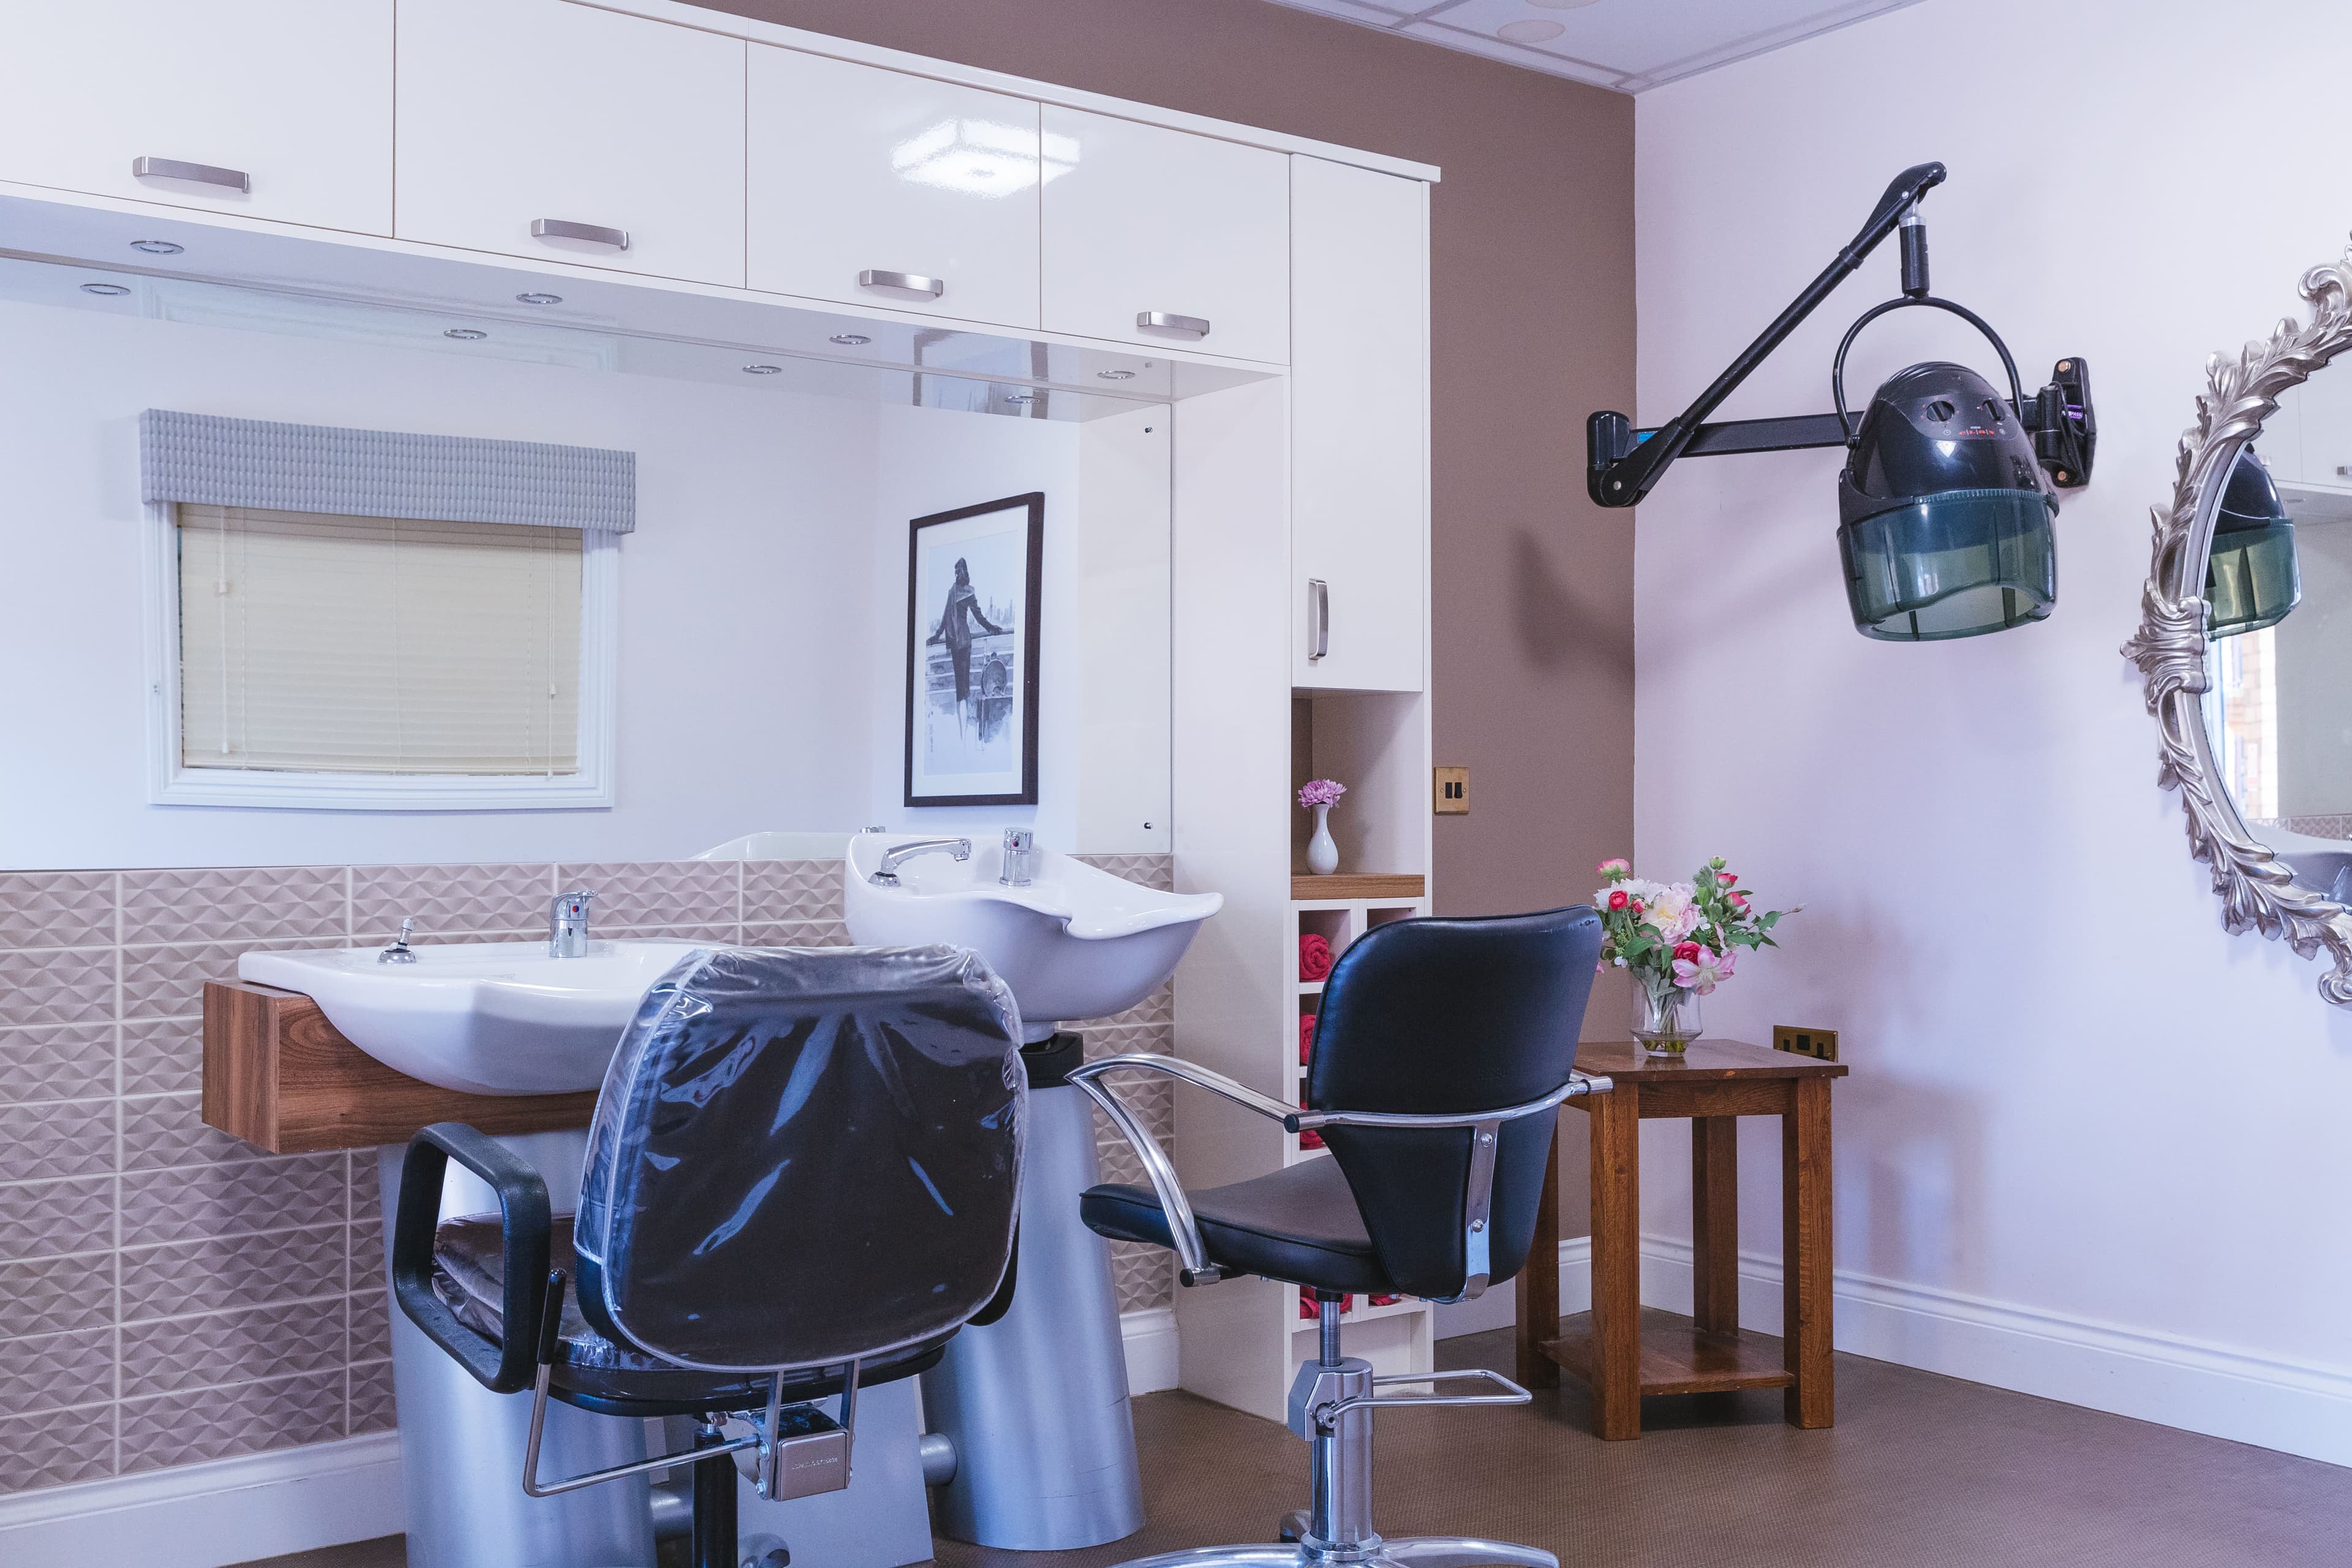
x=805, y=1155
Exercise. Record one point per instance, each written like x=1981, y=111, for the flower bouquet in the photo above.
x=1680, y=940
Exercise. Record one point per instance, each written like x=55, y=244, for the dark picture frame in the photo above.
x=972, y=723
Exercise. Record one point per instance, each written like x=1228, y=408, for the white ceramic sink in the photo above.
x=1077, y=942
x=487, y=1018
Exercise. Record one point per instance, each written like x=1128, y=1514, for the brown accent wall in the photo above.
x=1532, y=277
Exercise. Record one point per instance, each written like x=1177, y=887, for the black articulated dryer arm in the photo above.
x=1624, y=465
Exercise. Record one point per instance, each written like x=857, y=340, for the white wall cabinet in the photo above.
x=1359, y=427
x=292, y=98
x=537, y=112
x=1140, y=220
x=855, y=172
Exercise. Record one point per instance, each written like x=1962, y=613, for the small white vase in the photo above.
x=1322, y=855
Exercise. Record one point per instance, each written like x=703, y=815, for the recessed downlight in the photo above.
x=466, y=334
x=157, y=246
x=104, y=290
x=851, y=340
x=763, y=370
x=1116, y=374
x=1529, y=32
x=540, y=299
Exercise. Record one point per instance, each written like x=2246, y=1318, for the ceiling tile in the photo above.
x=1626, y=44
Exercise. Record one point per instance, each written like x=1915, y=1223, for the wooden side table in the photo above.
x=1619, y=1355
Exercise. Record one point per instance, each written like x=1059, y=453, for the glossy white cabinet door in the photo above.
x=856, y=171
x=1360, y=425
x=293, y=97
x=1139, y=220
x=523, y=112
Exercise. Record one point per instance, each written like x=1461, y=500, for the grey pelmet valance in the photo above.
x=217, y=461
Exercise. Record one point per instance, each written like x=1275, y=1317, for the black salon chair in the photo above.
x=801, y=1178
x=1442, y=1050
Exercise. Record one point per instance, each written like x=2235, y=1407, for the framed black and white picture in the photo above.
x=973, y=577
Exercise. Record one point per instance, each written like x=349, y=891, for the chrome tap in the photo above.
x=886, y=874
x=567, y=925
x=1020, y=859
x=400, y=951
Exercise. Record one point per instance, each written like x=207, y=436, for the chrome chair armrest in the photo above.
x=1183, y=1229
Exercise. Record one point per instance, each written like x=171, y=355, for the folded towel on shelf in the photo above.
x=1314, y=956
x=1305, y=1037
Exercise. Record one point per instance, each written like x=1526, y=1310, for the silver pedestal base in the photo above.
x=1410, y=1552
x=1036, y=1403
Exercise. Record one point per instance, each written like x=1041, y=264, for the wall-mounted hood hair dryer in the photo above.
x=1944, y=514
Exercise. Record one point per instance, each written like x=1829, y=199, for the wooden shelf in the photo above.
x=277, y=1075
x=1678, y=1357
x=1346, y=887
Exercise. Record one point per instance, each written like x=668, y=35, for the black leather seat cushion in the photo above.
x=469, y=1275
x=1299, y=1225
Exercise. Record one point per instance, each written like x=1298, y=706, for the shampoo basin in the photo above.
x=1077, y=942
x=485, y=1017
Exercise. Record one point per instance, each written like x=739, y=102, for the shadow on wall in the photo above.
x=1557, y=627
x=1921, y=1141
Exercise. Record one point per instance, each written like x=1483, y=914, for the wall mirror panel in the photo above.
x=2246, y=645
x=738, y=661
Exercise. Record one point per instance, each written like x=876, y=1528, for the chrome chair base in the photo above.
x=1408, y=1551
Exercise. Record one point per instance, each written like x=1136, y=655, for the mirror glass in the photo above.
x=749, y=649
x=2278, y=707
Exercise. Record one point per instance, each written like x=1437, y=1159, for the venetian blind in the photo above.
x=324, y=643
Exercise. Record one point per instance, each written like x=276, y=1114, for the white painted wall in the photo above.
x=2081, y=1118
x=763, y=597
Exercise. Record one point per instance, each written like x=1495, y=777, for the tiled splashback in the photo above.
x=169, y=1294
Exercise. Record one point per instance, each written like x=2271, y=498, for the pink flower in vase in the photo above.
x=1321, y=792
x=1614, y=870
x=1705, y=971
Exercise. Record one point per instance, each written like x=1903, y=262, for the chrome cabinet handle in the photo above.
x=1318, y=618
x=1191, y=326
x=593, y=234
x=196, y=173
x=912, y=282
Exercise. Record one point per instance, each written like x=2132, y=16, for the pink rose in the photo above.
x=1613, y=869
x=1617, y=901
x=1687, y=950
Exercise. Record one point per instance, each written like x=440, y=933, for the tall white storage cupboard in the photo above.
x=720, y=195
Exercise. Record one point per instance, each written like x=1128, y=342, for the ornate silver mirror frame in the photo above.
x=2257, y=889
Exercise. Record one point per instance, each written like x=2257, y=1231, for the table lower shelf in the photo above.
x=1678, y=1357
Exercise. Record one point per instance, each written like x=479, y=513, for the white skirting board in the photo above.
x=2294, y=1407
x=299, y=1500
x=209, y=1515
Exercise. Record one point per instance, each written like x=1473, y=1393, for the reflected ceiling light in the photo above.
x=1944, y=514
x=539, y=298
x=157, y=246
x=104, y=290
x=763, y=370
x=2251, y=578
x=1116, y=374
x=850, y=340
x=976, y=157
x=466, y=334
x=1529, y=32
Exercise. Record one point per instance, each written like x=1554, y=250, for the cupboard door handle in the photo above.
x=196, y=173
x=1318, y=618
x=591, y=233
x=912, y=282
x=1191, y=326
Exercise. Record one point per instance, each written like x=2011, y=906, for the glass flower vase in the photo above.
x=1665, y=1018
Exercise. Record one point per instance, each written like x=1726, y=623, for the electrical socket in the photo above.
x=1450, y=792
x=1819, y=1044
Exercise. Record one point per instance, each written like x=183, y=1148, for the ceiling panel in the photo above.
x=1628, y=44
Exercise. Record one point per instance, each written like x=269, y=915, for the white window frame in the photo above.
x=171, y=783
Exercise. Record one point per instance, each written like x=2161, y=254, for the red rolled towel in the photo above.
x=1314, y=956
x=1305, y=1037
